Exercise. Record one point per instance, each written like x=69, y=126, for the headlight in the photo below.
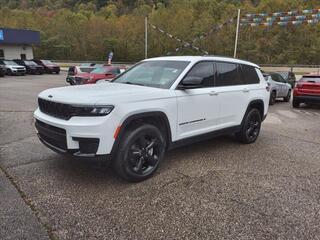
x=93, y=111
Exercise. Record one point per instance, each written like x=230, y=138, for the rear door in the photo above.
x=233, y=93
x=279, y=84
x=198, y=108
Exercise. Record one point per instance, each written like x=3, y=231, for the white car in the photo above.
x=156, y=105
x=12, y=68
x=279, y=87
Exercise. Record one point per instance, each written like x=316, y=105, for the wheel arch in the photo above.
x=258, y=104
x=157, y=118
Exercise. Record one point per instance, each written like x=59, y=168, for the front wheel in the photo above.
x=141, y=150
x=250, y=127
x=273, y=98
x=287, y=98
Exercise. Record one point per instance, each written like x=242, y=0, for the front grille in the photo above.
x=53, y=135
x=58, y=110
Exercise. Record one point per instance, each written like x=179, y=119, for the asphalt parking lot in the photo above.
x=217, y=189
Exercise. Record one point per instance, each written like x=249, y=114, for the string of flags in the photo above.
x=193, y=42
x=186, y=44
x=207, y=34
x=295, y=18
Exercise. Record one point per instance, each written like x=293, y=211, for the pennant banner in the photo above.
x=286, y=23
x=281, y=14
x=295, y=18
x=185, y=44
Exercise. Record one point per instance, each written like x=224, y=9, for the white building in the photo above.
x=17, y=43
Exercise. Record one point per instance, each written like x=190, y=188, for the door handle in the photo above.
x=213, y=93
x=246, y=90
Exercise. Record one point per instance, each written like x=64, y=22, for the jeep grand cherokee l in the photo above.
x=156, y=105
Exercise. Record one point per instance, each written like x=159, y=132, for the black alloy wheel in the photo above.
x=141, y=150
x=250, y=128
x=143, y=154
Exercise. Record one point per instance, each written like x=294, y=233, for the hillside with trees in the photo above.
x=87, y=30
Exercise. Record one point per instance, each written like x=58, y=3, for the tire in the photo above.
x=141, y=150
x=273, y=98
x=288, y=97
x=295, y=103
x=250, y=127
x=9, y=72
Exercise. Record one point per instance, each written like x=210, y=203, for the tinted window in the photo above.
x=228, y=74
x=277, y=78
x=205, y=71
x=250, y=75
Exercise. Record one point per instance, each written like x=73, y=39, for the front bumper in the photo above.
x=307, y=98
x=79, y=136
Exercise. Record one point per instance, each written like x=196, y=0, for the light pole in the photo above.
x=146, y=37
x=237, y=34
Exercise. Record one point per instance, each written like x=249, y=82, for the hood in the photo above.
x=107, y=93
x=15, y=66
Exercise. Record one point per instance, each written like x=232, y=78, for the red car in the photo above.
x=105, y=72
x=307, y=90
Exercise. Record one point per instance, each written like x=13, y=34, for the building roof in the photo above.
x=19, y=36
x=208, y=57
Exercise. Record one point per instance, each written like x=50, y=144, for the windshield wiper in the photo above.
x=140, y=84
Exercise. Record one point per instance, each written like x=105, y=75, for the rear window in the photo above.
x=311, y=79
x=228, y=74
x=250, y=74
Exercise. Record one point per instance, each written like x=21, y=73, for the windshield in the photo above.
x=284, y=74
x=30, y=63
x=315, y=79
x=47, y=62
x=159, y=74
x=100, y=70
x=9, y=62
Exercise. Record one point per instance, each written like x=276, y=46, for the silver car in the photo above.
x=278, y=86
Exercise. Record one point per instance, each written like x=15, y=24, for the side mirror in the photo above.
x=191, y=82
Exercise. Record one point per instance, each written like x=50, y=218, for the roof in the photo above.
x=199, y=58
x=19, y=36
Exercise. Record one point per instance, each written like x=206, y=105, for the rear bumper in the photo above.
x=307, y=98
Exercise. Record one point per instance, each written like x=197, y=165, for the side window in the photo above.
x=205, y=71
x=228, y=74
x=250, y=75
x=115, y=71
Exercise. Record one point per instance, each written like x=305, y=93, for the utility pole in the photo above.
x=146, y=37
x=237, y=35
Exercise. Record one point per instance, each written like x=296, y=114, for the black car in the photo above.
x=2, y=70
x=289, y=77
x=49, y=67
x=31, y=66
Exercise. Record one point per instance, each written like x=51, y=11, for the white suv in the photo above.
x=156, y=105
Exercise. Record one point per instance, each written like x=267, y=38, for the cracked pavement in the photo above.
x=217, y=189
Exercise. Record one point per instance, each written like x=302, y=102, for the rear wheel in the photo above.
x=140, y=152
x=273, y=98
x=295, y=103
x=250, y=128
x=287, y=98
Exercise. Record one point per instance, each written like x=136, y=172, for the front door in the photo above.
x=198, y=108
